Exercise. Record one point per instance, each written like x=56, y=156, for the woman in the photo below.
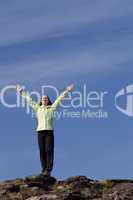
x=45, y=129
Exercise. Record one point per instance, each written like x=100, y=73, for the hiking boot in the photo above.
x=46, y=173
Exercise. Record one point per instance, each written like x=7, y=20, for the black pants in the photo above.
x=46, y=147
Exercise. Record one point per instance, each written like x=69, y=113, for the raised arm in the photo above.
x=28, y=98
x=59, y=99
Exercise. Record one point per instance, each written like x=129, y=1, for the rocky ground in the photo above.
x=73, y=188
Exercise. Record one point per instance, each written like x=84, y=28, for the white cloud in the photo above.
x=29, y=20
x=103, y=56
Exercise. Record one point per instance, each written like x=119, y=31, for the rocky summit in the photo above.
x=73, y=188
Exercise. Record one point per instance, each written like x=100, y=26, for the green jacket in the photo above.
x=44, y=114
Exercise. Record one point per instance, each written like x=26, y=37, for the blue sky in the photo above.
x=61, y=42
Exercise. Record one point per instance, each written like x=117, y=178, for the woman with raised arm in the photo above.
x=44, y=112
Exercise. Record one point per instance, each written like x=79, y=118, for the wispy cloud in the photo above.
x=88, y=36
x=106, y=56
x=23, y=21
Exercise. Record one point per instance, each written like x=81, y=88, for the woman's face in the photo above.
x=45, y=100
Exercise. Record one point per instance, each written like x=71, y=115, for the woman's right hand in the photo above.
x=19, y=88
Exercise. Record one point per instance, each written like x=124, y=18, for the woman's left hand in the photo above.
x=70, y=87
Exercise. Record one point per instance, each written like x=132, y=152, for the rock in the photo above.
x=121, y=191
x=40, y=181
x=44, y=197
x=73, y=188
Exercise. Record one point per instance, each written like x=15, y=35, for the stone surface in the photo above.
x=73, y=188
